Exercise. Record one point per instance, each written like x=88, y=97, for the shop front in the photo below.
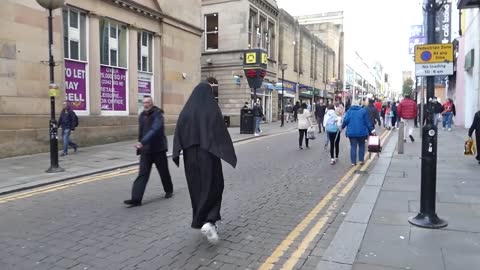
x=305, y=94
x=264, y=95
x=289, y=92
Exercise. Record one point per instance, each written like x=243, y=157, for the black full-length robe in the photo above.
x=204, y=139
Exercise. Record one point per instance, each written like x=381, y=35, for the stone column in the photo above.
x=158, y=70
x=132, y=71
x=94, y=64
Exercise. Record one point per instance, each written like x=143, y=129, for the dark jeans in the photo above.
x=334, y=143
x=320, y=123
x=66, y=141
x=146, y=162
x=357, y=142
x=302, y=133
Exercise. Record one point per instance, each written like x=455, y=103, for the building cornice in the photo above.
x=266, y=6
x=157, y=15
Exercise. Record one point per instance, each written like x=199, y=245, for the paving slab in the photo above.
x=360, y=213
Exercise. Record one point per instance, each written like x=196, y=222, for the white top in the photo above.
x=304, y=119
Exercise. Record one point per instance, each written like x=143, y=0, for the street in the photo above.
x=274, y=215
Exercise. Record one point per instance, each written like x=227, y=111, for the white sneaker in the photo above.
x=449, y=129
x=256, y=134
x=332, y=161
x=210, y=232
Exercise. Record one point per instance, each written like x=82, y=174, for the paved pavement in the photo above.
x=376, y=234
x=273, y=201
x=29, y=171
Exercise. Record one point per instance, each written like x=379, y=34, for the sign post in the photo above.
x=430, y=60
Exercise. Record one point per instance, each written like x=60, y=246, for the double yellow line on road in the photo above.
x=336, y=193
x=64, y=185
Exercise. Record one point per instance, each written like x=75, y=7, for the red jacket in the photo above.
x=378, y=105
x=407, y=109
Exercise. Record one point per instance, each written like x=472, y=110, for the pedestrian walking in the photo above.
x=388, y=116
x=152, y=147
x=438, y=110
x=476, y=127
x=407, y=110
x=304, y=122
x=358, y=128
x=333, y=124
x=289, y=111
x=202, y=136
x=296, y=107
x=447, y=114
x=258, y=116
x=68, y=121
x=373, y=113
x=320, y=109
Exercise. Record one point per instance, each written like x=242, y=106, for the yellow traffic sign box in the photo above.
x=434, y=53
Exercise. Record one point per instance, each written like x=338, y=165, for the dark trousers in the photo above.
x=478, y=146
x=302, y=133
x=146, y=162
x=320, y=123
x=334, y=143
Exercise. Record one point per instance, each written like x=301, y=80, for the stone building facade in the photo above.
x=231, y=27
x=309, y=61
x=109, y=55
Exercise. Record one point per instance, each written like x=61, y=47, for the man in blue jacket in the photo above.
x=68, y=121
x=358, y=127
x=152, y=146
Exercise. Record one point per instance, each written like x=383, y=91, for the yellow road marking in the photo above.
x=61, y=186
x=290, y=263
x=293, y=235
x=285, y=244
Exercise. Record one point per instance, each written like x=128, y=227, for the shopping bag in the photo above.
x=311, y=133
x=374, y=144
x=469, y=149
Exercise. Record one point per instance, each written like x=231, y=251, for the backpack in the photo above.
x=332, y=126
x=74, y=118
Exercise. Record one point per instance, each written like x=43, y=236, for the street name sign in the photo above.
x=434, y=59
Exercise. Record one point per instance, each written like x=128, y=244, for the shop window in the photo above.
x=211, y=26
x=74, y=35
x=113, y=44
x=144, y=51
x=252, y=21
x=271, y=40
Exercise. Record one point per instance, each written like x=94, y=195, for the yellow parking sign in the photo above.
x=264, y=58
x=251, y=58
x=434, y=53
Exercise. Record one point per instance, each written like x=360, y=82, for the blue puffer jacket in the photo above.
x=357, y=122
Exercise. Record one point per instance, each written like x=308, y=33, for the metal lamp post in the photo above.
x=283, y=67
x=54, y=167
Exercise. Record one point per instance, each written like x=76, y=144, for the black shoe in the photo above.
x=168, y=195
x=300, y=147
x=132, y=203
x=75, y=149
x=404, y=140
x=411, y=138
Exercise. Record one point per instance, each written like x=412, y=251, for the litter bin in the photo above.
x=226, y=120
x=246, y=121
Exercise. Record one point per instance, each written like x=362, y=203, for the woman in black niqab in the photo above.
x=204, y=139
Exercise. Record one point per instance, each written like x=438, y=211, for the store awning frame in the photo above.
x=466, y=4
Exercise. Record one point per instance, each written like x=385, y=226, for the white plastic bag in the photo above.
x=311, y=133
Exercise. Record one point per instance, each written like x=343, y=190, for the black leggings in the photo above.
x=301, y=133
x=334, y=143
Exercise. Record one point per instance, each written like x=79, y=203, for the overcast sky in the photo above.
x=378, y=29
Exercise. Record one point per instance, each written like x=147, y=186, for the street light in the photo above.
x=283, y=67
x=54, y=167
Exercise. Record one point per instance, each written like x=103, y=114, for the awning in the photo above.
x=267, y=86
x=465, y=4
